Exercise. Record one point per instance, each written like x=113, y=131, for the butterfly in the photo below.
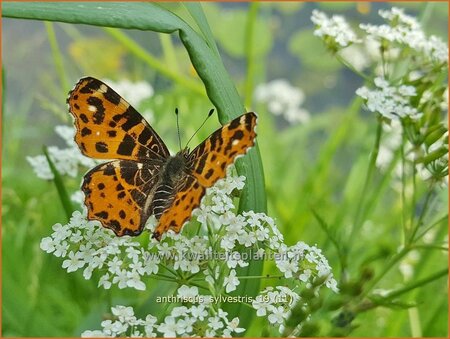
x=142, y=178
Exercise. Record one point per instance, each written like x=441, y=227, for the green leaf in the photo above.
x=60, y=187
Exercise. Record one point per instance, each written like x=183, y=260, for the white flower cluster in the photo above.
x=276, y=304
x=283, y=99
x=305, y=263
x=392, y=102
x=85, y=244
x=66, y=160
x=406, y=30
x=197, y=319
x=210, y=258
x=335, y=29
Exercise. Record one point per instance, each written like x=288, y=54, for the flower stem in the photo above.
x=358, y=221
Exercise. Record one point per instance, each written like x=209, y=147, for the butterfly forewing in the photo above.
x=210, y=159
x=108, y=127
x=118, y=193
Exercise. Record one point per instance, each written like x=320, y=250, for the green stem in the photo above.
x=443, y=219
x=152, y=61
x=396, y=258
x=262, y=277
x=249, y=52
x=57, y=57
x=405, y=226
x=421, y=216
x=414, y=285
x=352, y=68
x=358, y=221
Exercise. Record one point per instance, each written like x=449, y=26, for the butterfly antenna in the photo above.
x=178, y=127
x=198, y=129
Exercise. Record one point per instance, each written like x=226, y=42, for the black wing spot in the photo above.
x=85, y=131
x=99, y=114
x=84, y=118
x=112, y=96
x=101, y=147
x=234, y=124
x=122, y=214
x=102, y=214
x=209, y=173
x=112, y=134
x=126, y=146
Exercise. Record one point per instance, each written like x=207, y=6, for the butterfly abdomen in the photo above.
x=163, y=197
x=170, y=178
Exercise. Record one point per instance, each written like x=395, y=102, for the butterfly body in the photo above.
x=171, y=177
x=144, y=179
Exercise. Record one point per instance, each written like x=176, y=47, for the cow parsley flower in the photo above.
x=405, y=30
x=181, y=322
x=335, y=31
x=392, y=102
x=275, y=304
x=283, y=99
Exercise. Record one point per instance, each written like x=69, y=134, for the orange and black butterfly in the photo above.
x=145, y=179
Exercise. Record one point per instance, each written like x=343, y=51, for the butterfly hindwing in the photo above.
x=108, y=127
x=210, y=159
x=118, y=194
x=186, y=199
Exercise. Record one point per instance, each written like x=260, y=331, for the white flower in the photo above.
x=260, y=305
x=47, y=244
x=392, y=102
x=105, y=281
x=288, y=267
x=231, y=282
x=188, y=292
x=170, y=327
x=233, y=326
x=283, y=99
x=199, y=312
x=74, y=262
x=134, y=280
x=215, y=323
x=407, y=31
x=278, y=315
x=94, y=334
x=121, y=279
x=124, y=313
x=334, y=28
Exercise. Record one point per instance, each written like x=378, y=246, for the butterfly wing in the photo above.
x=108, y=127
x=207, y=163
x=118, y=194
x=186, y=199
x=210, y=159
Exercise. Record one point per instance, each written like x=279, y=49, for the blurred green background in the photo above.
x=318, y=165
